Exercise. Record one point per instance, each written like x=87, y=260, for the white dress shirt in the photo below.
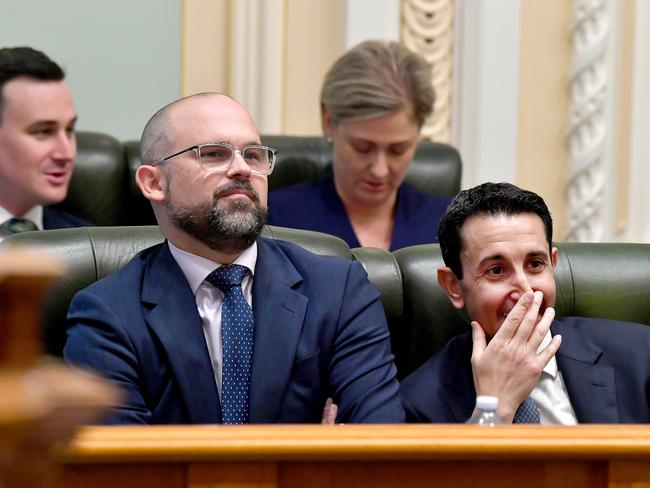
x=550, y=394
x=209, y=298
x=35, y=215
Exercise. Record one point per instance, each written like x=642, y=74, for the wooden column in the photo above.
x=40, y=404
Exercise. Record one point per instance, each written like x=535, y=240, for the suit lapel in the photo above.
x=279, y=312
x=460, y=395
x=174, y=319
x=591, y=387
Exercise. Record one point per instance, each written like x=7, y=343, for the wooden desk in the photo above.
x=375, y=456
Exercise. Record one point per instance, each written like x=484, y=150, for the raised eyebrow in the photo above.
x=44, y=123
x=51, y=123
x=487, y=259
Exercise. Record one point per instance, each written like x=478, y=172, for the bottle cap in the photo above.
x=486, y=402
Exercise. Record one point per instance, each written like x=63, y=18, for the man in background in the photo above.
x=37, y=142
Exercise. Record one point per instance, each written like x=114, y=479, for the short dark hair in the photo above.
x=486, y=199
x=16, y=62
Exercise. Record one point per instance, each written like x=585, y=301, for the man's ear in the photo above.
x=326, y=123
x=152, y=182
x=451, y=285
x=554, y=255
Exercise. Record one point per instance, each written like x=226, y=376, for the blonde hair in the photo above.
x=375, y=78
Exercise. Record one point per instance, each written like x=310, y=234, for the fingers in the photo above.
x=511, y=324
x=529, y=321
x=549, y=351
x=542, y=327
x=329, y=412
x=479, y=342
x=523, y=324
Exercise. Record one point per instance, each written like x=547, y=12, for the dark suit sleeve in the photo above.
x=97, y=340
x=442, y=389
x=362, y=373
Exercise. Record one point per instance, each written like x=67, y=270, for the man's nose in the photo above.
x=238, y=167
x=65, y=147
x=521, y=284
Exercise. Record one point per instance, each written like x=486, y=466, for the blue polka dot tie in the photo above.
x=237, y=332
x=527, y=413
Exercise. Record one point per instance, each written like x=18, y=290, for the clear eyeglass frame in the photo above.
x=259, y=165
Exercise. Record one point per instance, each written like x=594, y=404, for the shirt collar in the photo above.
x=35, y=214
x=196, y=268
x=551, y=366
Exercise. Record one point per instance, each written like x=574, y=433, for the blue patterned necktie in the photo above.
x=237, y=332
x=527, y=413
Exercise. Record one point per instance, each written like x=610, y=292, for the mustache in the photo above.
x=241, y=185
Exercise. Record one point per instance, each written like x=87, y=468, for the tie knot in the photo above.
x=15, y=225
x=226, y=277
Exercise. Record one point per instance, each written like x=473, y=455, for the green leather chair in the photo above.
x=436, y=167
x=90, y=253
x=103, y=188
x=593, y=280
x=99, y=187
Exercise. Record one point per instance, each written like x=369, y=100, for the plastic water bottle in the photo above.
x=486, y=411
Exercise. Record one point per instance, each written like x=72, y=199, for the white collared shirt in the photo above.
x=550, y=394
x=209, y=298
x=35, y=214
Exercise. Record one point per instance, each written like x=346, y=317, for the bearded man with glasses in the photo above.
x=218, y=324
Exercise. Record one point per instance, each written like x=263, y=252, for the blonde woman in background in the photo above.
x=374, y=101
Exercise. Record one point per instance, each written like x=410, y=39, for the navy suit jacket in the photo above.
x=317, y=206
x=54, y=218
x=320, y=331
x=605, y=365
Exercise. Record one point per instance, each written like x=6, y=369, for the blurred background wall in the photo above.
x=121, y=57
x=550, y=95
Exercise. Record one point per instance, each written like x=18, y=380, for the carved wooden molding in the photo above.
x=257, y=67
x=588, y=127
x=427, y=28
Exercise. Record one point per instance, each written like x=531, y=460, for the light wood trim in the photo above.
x=544, y=102
x=623, y=129
x=205, y=46
x=358, y=442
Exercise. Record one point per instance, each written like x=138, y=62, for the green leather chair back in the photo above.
x=607, y=280
x=99, y=187
x=436, y=168
x=593, y=280
x=91, y=253
x=103, y=189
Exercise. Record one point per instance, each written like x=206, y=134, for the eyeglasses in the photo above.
x=216, y=158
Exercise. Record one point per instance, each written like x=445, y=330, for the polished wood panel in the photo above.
x=359, y=456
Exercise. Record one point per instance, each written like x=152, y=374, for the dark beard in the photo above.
x=229, y=229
